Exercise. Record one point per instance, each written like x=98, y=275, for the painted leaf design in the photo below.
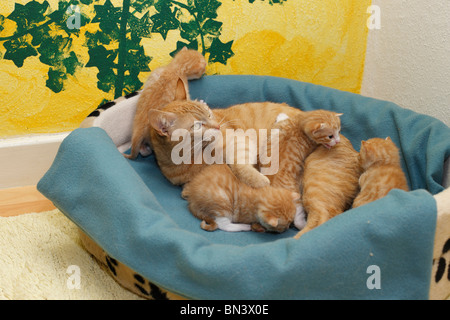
x=44, y=32
x=164, y=21
x=18, y=50
x=220, y=52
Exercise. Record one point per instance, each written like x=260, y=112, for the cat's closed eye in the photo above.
x=197, y=125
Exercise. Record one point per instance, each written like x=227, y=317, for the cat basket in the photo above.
x=135, y=222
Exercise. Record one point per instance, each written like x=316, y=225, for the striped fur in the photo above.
x=383, y=172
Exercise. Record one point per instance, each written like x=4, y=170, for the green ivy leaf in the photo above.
x=18, y=50
x=219, y=51
x=29, y=15
x=52, y=49
x=55, y=80
x=180, y=45
x=212, y=27
x=106, y=80
x=101, y=58
x=71, y=63
x=39, y=34
x=141, y=28
x=108, y=16
x=206, y=9
x=136, y=57
x=190, y=30
x=164, y=21
x=141, y=5
x=98, y=38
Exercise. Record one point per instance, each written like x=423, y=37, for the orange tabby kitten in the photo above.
x=380, y=161
x=299, y=136
x=186, y=114
x=164, y=85
x=254, y=117
x=330, y=183
x=221, y=201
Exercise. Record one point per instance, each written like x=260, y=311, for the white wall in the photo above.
x=408, y=59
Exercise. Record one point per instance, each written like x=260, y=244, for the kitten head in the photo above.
x=190, y=62
x=277, y=211
x=185, y=118
x=378, y=150
x=323, y=127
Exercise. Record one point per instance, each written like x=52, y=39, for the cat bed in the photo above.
x=383, y=250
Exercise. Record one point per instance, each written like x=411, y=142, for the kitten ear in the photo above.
x=388, y=139
x=317, y=128
x=161, y=121
x=272, y=221
x=339, y=115
x=180, y=91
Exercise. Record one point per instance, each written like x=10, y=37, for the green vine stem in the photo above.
x=122, y=49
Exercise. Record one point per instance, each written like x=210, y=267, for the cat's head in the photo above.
x=323, y=127
x=185, y=121
x=277, y=211
x=190, y=62
x=378, y=150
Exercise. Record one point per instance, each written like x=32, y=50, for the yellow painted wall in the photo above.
x=322, y=42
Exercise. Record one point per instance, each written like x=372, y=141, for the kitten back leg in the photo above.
x=225, y=224
x=209, y=225
x=300, y=217
x=314, y=220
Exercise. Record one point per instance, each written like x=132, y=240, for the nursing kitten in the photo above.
x=222, y=201
x=164, y=85
x=299, y=136
x=330, y=183
x=184, y=114
x=249, y=117
x=380, y=161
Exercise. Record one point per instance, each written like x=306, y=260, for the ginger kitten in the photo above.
x=299, y=136
x=223, y=202
x=380, y=160
x=164, y=122
x=330, y=183
x=164, y=85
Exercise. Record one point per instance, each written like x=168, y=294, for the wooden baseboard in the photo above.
x=16, y=201
x=24, y=160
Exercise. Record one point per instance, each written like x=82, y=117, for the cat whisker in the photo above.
x=224, y=124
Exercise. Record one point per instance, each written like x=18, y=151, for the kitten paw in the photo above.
x=281, y=117
x=259, y=181
x=145, y=150
x=256, y=227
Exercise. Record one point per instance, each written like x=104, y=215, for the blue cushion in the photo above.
x=140, y=219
